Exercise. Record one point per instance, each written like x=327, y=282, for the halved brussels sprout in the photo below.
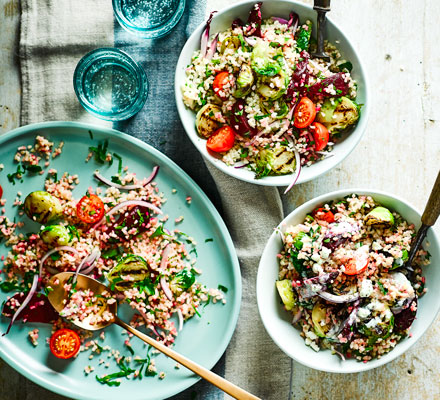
x=319, y=314
x=285, y=291
x=268, y=107
x=338, y=114
x=183, y=280
x=274, y=162
x=380, y=216
x=244, y=81
x=273, y=88
x=206, y=121
x=262, y=62
x=230, y=42
x=42, y=207
x=131, y=270
x=56, y=235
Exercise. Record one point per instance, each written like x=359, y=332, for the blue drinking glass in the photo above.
x=110, y=84
x=148, y=18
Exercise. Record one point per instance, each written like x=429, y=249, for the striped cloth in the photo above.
x=55, y=34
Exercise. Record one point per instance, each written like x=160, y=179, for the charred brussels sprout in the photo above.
x=380, y=216
x=273, y=88
x=244, y=81
x=206, y=121
x=338, y=114
x=56, y=235
x=274, y=162
x=131, y=271
x=285, y=291
x=183, y=280
x=231, y=42
x=42, y=207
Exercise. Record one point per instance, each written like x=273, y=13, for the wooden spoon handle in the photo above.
x=206, y=374
x=432, y=209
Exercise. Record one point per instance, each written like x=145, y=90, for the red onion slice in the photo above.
x=153, y=175
x=126, y=187
x=297, y=317
x=32, y=290
x=281, y=20
x=297, y=170
x=212, y=48
x=163, y=281
x=88, y=263
x=127, y=203
x=115, y=185
x=205, y=36
x=166, y=288
x=180, y=315
x=332, y=298
x=54, y=250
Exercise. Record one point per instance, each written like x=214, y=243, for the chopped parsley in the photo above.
x=109, y=379
x=100, y=152
x=224, y=289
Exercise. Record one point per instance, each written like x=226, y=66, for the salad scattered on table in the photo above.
x=262, y=101
x=342, y=276
x=115, y=232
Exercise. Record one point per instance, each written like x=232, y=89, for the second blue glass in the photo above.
x=148, y=18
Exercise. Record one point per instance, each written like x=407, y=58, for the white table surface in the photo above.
x=400, y=153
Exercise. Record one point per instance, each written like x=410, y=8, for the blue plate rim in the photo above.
x=32, y=375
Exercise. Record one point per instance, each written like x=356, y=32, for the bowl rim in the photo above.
x=260, y=285
x=281, y=180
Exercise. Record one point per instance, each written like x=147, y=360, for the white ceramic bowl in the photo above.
x=277, y=321
x=280, y=8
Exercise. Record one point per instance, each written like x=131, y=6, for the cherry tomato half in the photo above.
x=90, y=209
x=220, y=81
x=305, y=113
x=355, y=266
x=64, y=343
x=320, y=136
x=221, y=140
x=1, y=191
x=324, y=215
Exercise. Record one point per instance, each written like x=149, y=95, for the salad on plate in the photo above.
x=116, y=233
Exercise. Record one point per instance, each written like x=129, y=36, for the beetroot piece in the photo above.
x=39, y=309
x=300, y=78
x=134, y=217
x=339, y=85
x=253, y=26
x=239, y=121
x=337, y=234
x=405, y=318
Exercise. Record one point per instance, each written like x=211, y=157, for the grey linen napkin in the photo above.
x=55, y=34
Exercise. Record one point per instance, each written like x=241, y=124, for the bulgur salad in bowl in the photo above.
x=341, y=299
x=259, y=105
x=125, y=215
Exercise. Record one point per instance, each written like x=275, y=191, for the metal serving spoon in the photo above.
x=321, y=7
x=58, y=294
x=429, y=217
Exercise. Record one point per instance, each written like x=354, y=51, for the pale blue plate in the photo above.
x=203, y=339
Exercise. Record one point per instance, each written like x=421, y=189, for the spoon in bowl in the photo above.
x=429, y=217
x=321, y=7
x=58, y=297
